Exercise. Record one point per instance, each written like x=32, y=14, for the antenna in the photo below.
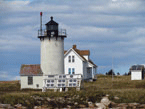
x=41, y=23
x=112, y=67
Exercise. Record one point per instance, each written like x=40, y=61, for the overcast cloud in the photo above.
x=108, y=28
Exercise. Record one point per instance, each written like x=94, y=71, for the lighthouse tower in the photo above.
x=52, y=48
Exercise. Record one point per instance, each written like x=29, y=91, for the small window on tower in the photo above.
x=69, y=59
x=73, y=58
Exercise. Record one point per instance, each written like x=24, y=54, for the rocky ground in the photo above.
x=61, y=102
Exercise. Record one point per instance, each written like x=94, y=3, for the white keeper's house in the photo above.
x=78, y=62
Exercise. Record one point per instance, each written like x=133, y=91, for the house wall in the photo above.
x=86, y=57
x=85, y=65
x=36, y=80
x=136, y=75
x=78, y=64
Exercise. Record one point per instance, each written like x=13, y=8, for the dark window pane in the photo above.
x=30, y=80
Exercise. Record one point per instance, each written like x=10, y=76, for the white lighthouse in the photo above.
x=52, y=58
x=52, y=49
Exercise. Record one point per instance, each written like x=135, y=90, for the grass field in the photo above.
x=121, y=86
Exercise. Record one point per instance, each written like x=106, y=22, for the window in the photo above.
x=69, y=59
x=89, y=70
x=37, y=85
x=73, y=58
x=74, y=84
x=30, y=80
x=70, y=80
x=50, y=76
x=73, y=71
x=60, y=76
x=64, y=76
x=69, y=70
x=63, y=80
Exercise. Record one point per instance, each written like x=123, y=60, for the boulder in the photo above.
x=90, y=104
x=100, y=106
x=116, y=98
x=105, y=100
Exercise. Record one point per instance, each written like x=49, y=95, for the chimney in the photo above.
x=74, y=46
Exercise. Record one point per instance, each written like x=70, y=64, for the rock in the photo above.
x=116, y=98
x=18, y=105
x=68, y=106
x=123, y=105
x=90, y=104
x=105, y=100
x=5, y=105
x=23, y=107
x=113, y=104
x=48, y=99
x=100, y=106
x=82, y=106
x=76, y=103
x=142, y=106
x=37, y=107
x=133, y=104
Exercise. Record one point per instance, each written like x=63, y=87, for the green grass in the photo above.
x=121, y=86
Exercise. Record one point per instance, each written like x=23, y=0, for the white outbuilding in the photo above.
x=137, y=72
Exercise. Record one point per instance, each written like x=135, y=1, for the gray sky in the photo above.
x=108, y=28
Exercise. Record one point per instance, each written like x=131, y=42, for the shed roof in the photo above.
x=30, y=70
x=137, y=67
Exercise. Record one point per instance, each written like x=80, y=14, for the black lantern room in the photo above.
x=52, y=30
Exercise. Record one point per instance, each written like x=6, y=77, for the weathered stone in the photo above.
x=133, y=104
x=90, y=104
x=37, y=107
x=123, y=105
x=113, y=104
x=23, y=107
x=18, y=105
x=116, y=98
x=48, y=99
x=82, y=106
x=76, y=103
x=105, y=100
x=68, y=106
x=4, y=105
x=100, y=106
x=141, y=106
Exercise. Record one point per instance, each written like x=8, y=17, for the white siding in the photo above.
x=36, y=80
x=136, y=75
x=78, y=64
x=86, y=57
x=85, y=65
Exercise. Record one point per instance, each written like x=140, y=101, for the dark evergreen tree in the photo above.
x=111, y=72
